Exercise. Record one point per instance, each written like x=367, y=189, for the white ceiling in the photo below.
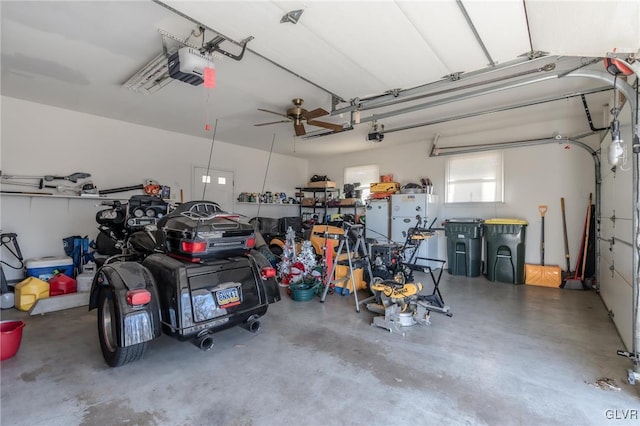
x=77, y=55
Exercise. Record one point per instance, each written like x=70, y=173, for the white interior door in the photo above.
x=213, y=185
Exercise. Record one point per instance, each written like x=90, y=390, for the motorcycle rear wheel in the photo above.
x=109, y=325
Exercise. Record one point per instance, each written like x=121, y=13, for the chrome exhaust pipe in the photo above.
x=204, y=342
x=252, y=324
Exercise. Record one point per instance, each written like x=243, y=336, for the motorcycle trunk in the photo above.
x=218, y=236
x=211, y=296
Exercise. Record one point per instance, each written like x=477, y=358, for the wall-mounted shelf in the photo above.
x=72, y=197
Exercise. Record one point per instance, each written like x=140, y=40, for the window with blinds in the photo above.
x=475, y=178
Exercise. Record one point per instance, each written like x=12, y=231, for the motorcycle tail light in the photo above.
x=194, y=246
x=267, y=272
x=138, y=297
x=251, y=242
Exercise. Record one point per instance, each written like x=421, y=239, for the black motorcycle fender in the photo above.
x=270, y=285
x=122, y=277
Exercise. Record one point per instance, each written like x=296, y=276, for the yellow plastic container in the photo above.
x=28, y=291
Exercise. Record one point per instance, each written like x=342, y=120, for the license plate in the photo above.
x=228, y=297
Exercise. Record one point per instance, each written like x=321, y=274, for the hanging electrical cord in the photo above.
x=266, y=173
x=213, y=139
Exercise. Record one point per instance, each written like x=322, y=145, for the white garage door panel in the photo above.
x=616, y=294
x=606, y=232
x=622, y=228
x=607, y=192
x=622, y=199
x=622, y=256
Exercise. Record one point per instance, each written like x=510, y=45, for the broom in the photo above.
x=576, y=282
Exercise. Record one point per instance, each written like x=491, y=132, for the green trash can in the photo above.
x=464, y=246
x=505, y=244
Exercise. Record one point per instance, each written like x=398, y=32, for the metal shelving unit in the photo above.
x=323, y=207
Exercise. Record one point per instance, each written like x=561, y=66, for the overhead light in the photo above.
x=616, y=151
x=292, y=16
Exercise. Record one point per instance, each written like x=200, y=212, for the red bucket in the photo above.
x=10, y=338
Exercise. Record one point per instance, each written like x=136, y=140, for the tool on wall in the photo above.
x=74, y=177
x=83, y=188
x=542, y=275
x=150, y=187
x=42, y=182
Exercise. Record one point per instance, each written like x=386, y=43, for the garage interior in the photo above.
x=403, y=91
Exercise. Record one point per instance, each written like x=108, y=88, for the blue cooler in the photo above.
x=44, y=268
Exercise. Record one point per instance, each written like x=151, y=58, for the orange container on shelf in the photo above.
x=62, y=284
x=28, y=291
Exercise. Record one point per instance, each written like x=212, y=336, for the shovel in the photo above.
x=546, y=276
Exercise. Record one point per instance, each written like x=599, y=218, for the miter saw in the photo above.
x=402, y=305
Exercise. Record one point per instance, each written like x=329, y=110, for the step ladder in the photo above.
x=357, y=257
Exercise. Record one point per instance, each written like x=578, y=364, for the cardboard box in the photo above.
x=307, y=202
x=322, y=184
x=349, y=201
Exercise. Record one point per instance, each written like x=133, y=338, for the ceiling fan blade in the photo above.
x=334, y=127
x=299, y=128
x=273, y=112
x=318, y=112
x=273, y=122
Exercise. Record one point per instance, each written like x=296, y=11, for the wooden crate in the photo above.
x=322, y=184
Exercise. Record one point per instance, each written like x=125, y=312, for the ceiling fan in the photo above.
x=297, y=115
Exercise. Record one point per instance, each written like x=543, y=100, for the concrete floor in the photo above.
x=509, y=355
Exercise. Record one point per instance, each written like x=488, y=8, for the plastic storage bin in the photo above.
x=28, y=291
x=84, y=281
x=45, y=267
x=505, y=244
x=464, y=246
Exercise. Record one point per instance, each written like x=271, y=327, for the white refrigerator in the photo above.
x=406, y=210
x=378, y=220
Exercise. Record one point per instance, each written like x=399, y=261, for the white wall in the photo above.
x=533, y=176
x=39, y=139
